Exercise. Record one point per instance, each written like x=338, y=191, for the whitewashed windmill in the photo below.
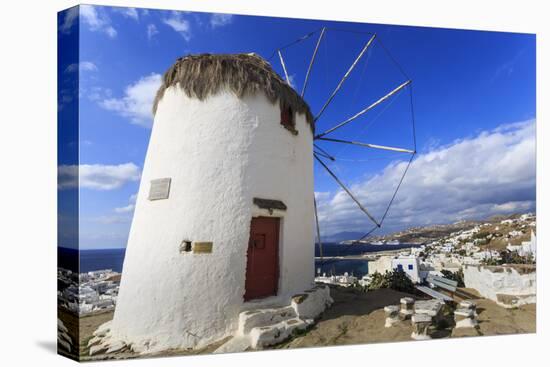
x=224, y=218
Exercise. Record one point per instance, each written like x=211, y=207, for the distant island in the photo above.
x=425, y=234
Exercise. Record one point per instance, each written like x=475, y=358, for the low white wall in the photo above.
x=508, y=286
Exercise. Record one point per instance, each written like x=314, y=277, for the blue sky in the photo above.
x=474, y=105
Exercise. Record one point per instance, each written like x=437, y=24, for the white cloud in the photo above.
x=111, y=219
x=137, y=102
x=151, y=31
x=178, y=23
x=220, y=20
x=97, y=20
x=128, y=12
x=83, y=66
x=125, y=209
x=71, y=15
x=128, y=208
x=473, y=178
x=97, y=176
x=96, y=93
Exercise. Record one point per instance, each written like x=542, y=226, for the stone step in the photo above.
x=251, y=319
x=234, y=345
x=263, y=336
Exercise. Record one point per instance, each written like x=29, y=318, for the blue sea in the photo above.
x=91, y=260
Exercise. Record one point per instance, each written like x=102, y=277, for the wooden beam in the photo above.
x=347, y=191
x=318, y=230
x=362, y=112
x=374, y=146
x=284, y=67
x=326, y=154
x=312, y=60
x=367, y=45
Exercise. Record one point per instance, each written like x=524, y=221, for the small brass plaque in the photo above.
x=202, y=247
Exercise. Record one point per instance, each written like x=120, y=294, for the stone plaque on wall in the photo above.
x=160, y=189
x=202, y=247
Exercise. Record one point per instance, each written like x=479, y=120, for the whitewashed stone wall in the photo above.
x=508, y=286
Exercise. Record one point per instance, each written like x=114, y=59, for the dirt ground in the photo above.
x=358, y=318
x=497, y=320
x=90, y=323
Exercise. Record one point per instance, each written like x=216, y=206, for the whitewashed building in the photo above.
x=224, y=215
x=410, y=264
x=527, y=248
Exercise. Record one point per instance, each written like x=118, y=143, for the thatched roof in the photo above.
x=244, y=74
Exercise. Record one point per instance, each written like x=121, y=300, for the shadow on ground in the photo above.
x=48, y=345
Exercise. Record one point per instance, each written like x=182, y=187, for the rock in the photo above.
x=96, y=349
x=116, y=346
x=103, y=329
x=94, y=340
x=64, y=344
x=61, y=326
x=64, y=336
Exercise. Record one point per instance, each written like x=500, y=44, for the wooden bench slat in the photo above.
x=442, y=280
x=444, y=286
x=432, y=293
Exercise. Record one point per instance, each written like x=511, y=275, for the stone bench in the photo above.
x=466, y=315
x=407, y=308
x=392, y=315
x=421, y=323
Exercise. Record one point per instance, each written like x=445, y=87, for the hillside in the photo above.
x=435, y=232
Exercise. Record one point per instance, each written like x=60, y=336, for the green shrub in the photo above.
x=457, y=277
x=509, y=257
x=396, y=279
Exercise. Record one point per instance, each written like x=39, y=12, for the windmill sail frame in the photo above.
x=320, y=153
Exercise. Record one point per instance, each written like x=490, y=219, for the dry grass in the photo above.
x=244, y=74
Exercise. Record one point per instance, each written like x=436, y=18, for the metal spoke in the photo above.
x=397, y=189
x=360, y=113
x=328, y=155
x=345, y=77
x=312, y=60
x=284, y=66
x=374, y=146
x=324, y=155
x=347, y=191
x=318, y=229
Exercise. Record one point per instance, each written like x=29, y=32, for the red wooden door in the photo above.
x=262, y=265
